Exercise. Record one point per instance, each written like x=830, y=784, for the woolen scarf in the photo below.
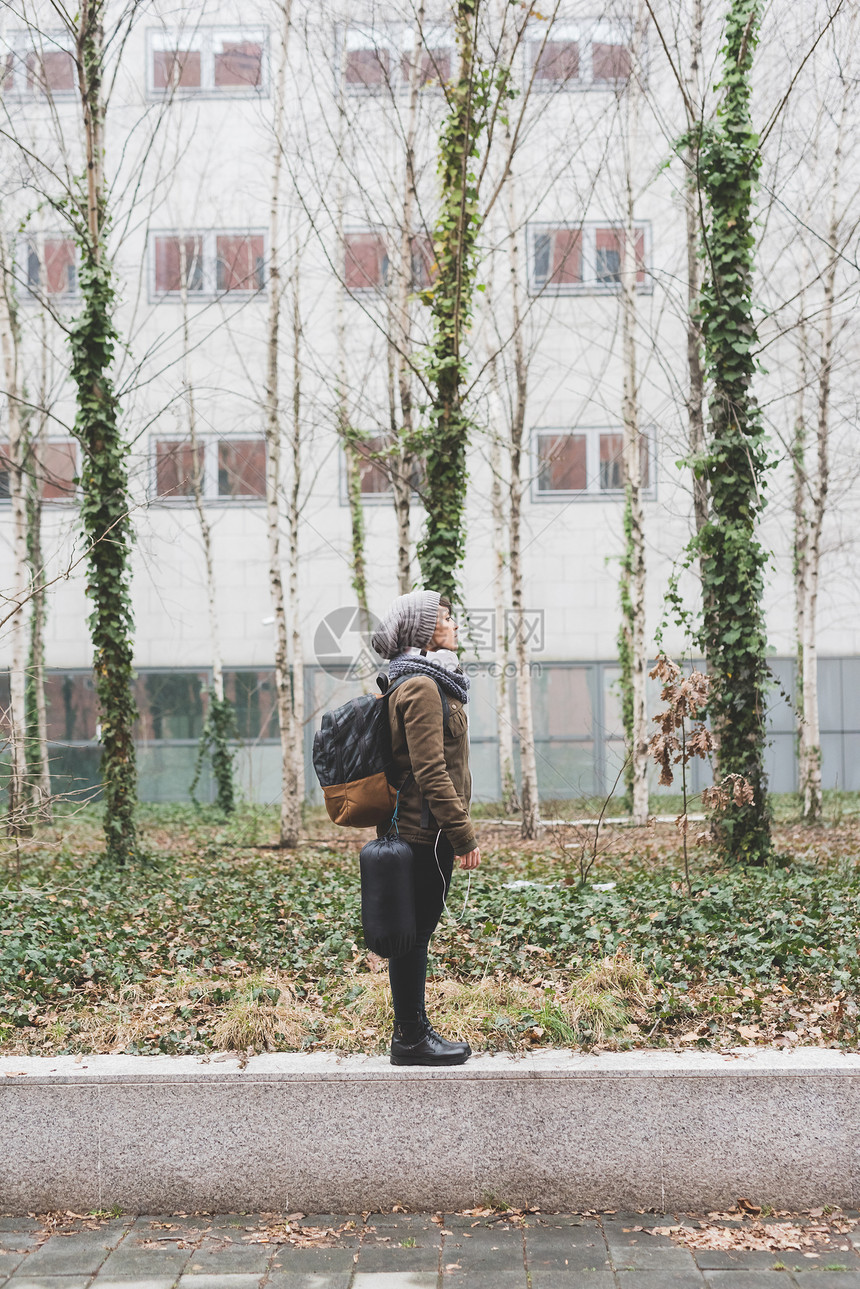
x=442, y=664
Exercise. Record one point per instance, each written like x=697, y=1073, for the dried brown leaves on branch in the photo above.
x=686, y=698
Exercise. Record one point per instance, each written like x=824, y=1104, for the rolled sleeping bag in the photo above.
x=388, y=896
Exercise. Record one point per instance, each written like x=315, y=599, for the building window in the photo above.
x=365, y=261
x=55, y=463
x=580, y=55
x=51, y=266
x=210, y=263
x=367, y=266
x=587, y=463
x=242, y=468
x=227, y=468
x=557, y=62
x=567, y=259
x=239, y=262
x=178, y=258
x=384, y=59
x=424, y=266
x=221, y=61
x=375, y=474
x=48, y=70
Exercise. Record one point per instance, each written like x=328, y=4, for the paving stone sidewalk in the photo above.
x=402, y=1251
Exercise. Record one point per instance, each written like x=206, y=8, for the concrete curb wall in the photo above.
x=319, y=1133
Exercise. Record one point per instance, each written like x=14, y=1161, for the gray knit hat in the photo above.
x=410, y=620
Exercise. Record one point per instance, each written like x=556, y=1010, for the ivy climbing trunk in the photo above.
x=38, y=765
x=16, y=819
x=441, y=548
x=735, y=461
x=104, y=505
x=631, y=638
x=290, y=814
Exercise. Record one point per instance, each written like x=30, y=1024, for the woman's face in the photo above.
x=445, y=635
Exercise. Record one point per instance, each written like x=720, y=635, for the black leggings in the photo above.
x=408, y=973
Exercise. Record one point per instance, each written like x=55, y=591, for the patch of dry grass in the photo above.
x=353, y=1013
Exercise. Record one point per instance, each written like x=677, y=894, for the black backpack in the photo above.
x=353, y=758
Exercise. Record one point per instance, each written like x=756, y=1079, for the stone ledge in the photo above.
x=322, y=1133
x=551, y=1063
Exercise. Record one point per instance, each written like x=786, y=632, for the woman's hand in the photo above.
x=472, y=860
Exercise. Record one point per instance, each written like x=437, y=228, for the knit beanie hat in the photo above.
x=410, y=620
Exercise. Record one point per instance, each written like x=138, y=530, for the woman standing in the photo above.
x=419, y=637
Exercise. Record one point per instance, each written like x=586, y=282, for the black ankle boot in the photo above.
x=417, y=1043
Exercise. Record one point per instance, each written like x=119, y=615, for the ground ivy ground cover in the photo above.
x=214, y=942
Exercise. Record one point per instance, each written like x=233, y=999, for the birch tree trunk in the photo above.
x=693, y=220
x=507, y=778
x=400, y=349
x=346, y=433
x=633, y=567
x=290, y=817
x=17, y=801
x=220, y=717
x=293, y=513
x=810, y=746
x=525, y=713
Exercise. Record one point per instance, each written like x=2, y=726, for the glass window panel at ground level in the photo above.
x=254, y=700
x=171, y=704
x=72, y=707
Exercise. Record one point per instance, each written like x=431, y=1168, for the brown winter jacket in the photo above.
x=439, y=760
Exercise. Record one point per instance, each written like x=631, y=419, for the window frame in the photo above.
x=367, y=498
x=202, y=38
x=587, y=33
x=372, y=288
x=74, y=496
x=397, y=39
x=209, y=257
x=592, y=491
x=588, y=229
x=28, y=296
x=20, y=45
x=211, y=495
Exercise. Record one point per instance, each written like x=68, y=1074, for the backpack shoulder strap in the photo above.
x=446, y=711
